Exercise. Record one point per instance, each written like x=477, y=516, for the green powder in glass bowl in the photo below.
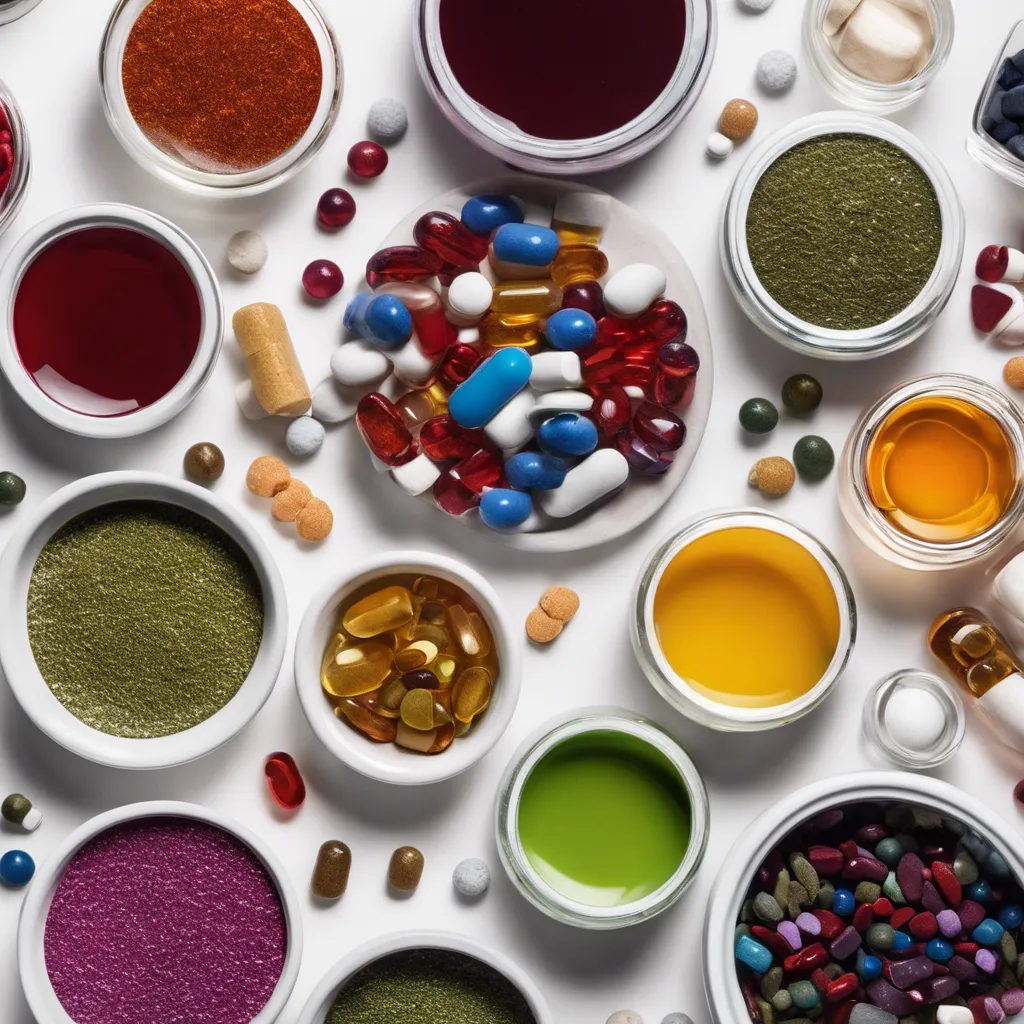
x=144, y=618
x=844, y=231
x=429, y=986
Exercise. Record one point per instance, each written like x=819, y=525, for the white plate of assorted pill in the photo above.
x=533, y=359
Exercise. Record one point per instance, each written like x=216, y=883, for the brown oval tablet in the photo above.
x=405, y=869
x=540, y=627
x=560, y=603
x=330, y=874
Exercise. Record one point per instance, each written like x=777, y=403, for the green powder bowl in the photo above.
x=842, y=236
x=189, y=658
x=602, y=819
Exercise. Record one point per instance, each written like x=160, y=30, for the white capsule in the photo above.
x=470, y=295
x=416, y=476
x=954, y=1015
x=1013, y=332
x=359, y=364
x=587, y=209
x=633, y=289
x=1016, y=306
x=245, y=396
x=597, y=475
x=412, y=365
x=718, y=146
x=334, y=403
x=555, y=371
x=1014, y=266
x=469, y=336
x=553, y=402
x=510, y=428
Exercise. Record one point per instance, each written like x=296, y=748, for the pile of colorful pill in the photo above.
x=871, y=914
x=521, y=386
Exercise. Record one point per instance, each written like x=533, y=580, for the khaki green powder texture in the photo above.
x=844, y=231
x=144, y=618
x=428, y=986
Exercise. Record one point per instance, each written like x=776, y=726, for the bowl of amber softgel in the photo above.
x=407, y=668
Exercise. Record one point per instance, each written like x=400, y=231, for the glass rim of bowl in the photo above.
x=568, y=156
x=672, y=687
x=551, y=734
x=166, y=167
x=800, y=335
x=17, y=188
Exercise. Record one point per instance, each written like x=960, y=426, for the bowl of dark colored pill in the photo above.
x=996, y=140
x=146, y=620
x=155, y=882
x=426, y=977
x=868, y=898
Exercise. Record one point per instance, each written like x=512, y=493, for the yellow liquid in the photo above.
x=747, y=617
x=941, y=469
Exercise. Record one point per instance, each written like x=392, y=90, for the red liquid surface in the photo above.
x=106, y=321
x=564, y=69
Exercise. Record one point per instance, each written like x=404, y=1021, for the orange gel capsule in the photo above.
x=285, y=780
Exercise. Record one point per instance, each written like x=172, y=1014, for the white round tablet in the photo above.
x=914, y=717
x=470, y=294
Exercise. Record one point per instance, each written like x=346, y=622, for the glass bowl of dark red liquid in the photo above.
x=565, y=88
x=113, y=320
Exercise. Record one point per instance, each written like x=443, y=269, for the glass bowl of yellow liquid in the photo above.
x=930, y=476
x=743, y=621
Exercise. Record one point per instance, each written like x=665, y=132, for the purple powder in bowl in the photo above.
x=165, y=920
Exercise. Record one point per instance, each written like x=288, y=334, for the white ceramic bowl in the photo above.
x=315, y=1010
x=32, y=924
x=753, y=844
x=388, y=762
x=628, y=238
x=211, y=307
x=23, y=675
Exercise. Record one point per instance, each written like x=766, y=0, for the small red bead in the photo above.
x=285, y=780
x=322, y=279
x=335, y=209
x=367, y=159
x=585, y=295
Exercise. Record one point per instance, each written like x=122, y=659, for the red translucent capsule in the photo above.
x=481, y=469
x=664, y=321
x=661, y=429
x=678, y=359
x=335, y=209
x=601, y=364
x=673, y=392
x=460, y=361
x=433, y=331
x=611, y=410
x=285, y=780
x=449, y=239
x=453, y=496
x=442, y=438
x=641, y=353
x=640, y=455
x=633, y=375
x=384, y=430
x=615, y=332
x=585, y=295
x=367, y=159
x=401, y=263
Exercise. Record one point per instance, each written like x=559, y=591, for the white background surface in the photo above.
x=49, y=60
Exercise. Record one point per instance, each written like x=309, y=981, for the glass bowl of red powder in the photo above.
x=160, y=911
x=15, y=159
x=220, y=96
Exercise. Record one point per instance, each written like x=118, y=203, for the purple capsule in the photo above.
x=949, y=923
x=791, y=933
x=640, y=455
x=909, y=972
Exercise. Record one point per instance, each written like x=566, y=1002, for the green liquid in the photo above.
x=604, y=819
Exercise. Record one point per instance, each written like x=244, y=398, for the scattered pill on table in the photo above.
x=541, y=628
x=405, y=869
x=322, y=279
x=367, y=159
x=285, y=780
x=267, y=475
x=560, y=603
x=1013, y=373
x=773, y=475
x=471, y=877
x=304, y=436
x=18, y=810
x=625, y=1017
x=801, y=394
x=12, y=488
x=719, y=146
x=331, y=871
x=758, y=416
x=290, y=500
x=270, y=357
x=387, y=120
x=738, y=120
x=813, y=457
x=247, y=252
x=676, y=1018
x=335, y=209
x=776, y=71
x=204, y=461
x=16, y=868
x=755, y=6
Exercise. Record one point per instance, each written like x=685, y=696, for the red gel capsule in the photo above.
x=585, y=295
x=611, y=410
x=367, y=159
x=640, y=353
x=807, y=959
x=664, y=321
x=449, y=239
x=441, y=438
x=433, y=331
x=661, y=429
x=285, y=780
x=635, y=376
x=678, y=359
x=401, y=263
x=384, y=430
x=481, y=469
x=615, y=332
x=452, y=495
x=673, y=392
x=640, y=455
x=601, y=365
x=459, y=362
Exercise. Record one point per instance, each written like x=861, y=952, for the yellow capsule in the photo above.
x=526, y=298
x=576, y=234
x=414, y=739
x=483, y=634
x=502, y=331
x=390, y=698
x=425, y=587
x=356, y=670
x=445, y=668
x=443, y=737
x=416, y=655
x=471, y=693
x=465, y=630
x=461, y=728
x=383, y=610
x=433, y=613
x=376, y=727
x=421, y=711
x=408, y=631
x=578, y=263
x=417, y=406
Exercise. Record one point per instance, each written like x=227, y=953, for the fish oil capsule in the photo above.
x=471, y=693
x=422, y=712
x=465, y=630
x=358, y=669
x=425, y=587
x=416, y=655
x=390, y=697
x=443, y=739
x=331, y=871
x=376, y=727
x=405, y=869
x=445, y=668
x=414, y=739
x=579, y=218
x=521, y=298
x=285, y=780
x=437, y=634
x=417, y=406
x=385, y=609
x=483, y=634
x=575, y=263
x=501, y=331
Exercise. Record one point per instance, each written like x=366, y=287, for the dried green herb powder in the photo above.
x=429, y=986
x=844, y=231
x=144, y=618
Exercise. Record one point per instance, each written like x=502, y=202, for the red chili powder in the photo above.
x=564, y=69
x=223, y=85
x=6, y=151
x=106, y=321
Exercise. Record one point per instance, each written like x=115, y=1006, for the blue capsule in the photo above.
x=901, y=942
x=352, y=318
x=995, y=864
x=528, y=245
x=380, y=319
x=484, y=214
x=843, y=903
x=535, y=471
x=980, y=892
x=750, y=952
x=16, y=868
x=568, y=435
x=504, y=509
x=571, y=329
x=868, y=967
x=1011, y=917
x=988, y=933
x=490, y=386
x=939, y=950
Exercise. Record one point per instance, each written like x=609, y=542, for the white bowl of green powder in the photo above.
x=426, y=978
x=145, y=620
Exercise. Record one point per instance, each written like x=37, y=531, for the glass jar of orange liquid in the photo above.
x=931, y=473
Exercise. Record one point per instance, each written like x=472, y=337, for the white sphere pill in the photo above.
x=719, y=146
x=247, y=252
x=387, y=120
x=598, y=474
x=470, y=294
x=755, y=6
x=625, y=1017
x=359, y=363
x=304, y=436
x=914, y=718
x=676, y=1018
x=471, y=877
x=633, y=289
x=556, y=371
x=416, y=476
x=776, y=71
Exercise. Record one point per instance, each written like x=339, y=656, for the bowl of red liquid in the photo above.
x=565, y=88
x=114, y=320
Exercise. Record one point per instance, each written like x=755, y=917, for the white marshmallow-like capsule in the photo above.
x=248, y=403
x=719, y=146
x=954, y=1015
x=587, y=209
x=555, y=371
x=416, y=476
x=358, y=363
x=1013, y=332
x=469, y=336
x=553, y=402
x=469, y=296
x=510, y=428
x=633, y=289
x=599, y=474
x=881, y=42
x=837, y=13
x=335, y=403
x=412, y=365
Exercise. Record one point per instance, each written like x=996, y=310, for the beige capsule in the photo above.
x=357, y=669
x=383, y=610
x=331, y=871
x=471, y=693
x=405, y=869
x=416, y=655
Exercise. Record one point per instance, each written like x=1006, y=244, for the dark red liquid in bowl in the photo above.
x=107, y=321
x=564, y=69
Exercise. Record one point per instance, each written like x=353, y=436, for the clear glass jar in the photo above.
x=192, y=179
x=986, y=150
x=854, y=91
x=567, y=156
x=683, y=697
x=778, y=322
x=17, y=187
x=874, y=529
x=12, y=10
x=510, y=848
